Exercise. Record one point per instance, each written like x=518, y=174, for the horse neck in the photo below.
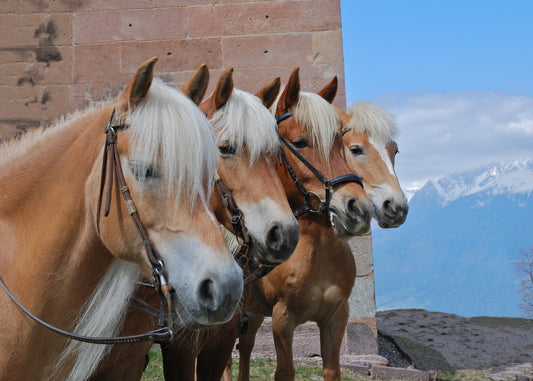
x=52, y=240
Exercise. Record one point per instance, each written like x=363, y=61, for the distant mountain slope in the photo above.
x=454, y=253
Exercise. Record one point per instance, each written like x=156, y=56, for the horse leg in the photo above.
x=246, y=345
x=283, y=325
x=212, y=362
x=178, y=364
x=331, y=334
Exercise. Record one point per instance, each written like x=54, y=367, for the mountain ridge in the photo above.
x=455, y=252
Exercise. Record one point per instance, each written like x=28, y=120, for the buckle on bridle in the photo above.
x=314, y=203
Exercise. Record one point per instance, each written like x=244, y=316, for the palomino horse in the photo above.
x=315, y=283
x=58, y=254
x=246, y=157
x=368, y=133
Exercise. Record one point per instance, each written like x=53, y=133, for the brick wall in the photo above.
x=58, y=55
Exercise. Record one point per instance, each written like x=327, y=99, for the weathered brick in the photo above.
x=97, y=63
x=37, y=102
x=9, y=128
x=82, y=95
x=176, y=55
x=271, y=17
x=34, y=30
x=254, y=78
x=148, y=24
x=268, y=50
x=327, y=47
x=315, y=77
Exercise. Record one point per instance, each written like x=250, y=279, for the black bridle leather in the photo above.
x=158, y=268
x=309, y=207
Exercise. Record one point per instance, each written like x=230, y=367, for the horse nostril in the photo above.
x=352, y=208
x=274, y=238
x=206, y=293
x=387, y=206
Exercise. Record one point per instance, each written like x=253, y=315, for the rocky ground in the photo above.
x=432, y=341
x=465, y=343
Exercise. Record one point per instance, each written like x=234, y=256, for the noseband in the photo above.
x=310, y=197
x=158, y=268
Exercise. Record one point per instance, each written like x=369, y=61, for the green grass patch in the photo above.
x=260, y=370
x=263, y=370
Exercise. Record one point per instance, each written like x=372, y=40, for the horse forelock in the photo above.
x=167, y=128
x=244, y=120
x=377, y=122
x=319, y=118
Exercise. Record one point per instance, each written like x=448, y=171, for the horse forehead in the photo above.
x=383, y=153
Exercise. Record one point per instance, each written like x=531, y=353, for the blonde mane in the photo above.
x=318, y=117
x=373, y=120
x=244, y=120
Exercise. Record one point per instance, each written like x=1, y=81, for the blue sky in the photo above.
x=457, y=75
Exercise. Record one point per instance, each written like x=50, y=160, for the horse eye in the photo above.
x=143, y=172
x=356, y=150
x=226, y=149
x=299, y=143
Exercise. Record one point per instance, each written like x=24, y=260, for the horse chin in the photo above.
x=345, y=228
x=194, y=319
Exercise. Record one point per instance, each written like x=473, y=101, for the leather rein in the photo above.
x=111, y=159
x=311, y=198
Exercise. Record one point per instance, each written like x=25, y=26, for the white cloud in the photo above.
x=441, y=134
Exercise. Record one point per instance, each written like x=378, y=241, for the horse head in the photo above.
x=368, y=133
x=315, y=174
x=166, y=150
x=247, y=145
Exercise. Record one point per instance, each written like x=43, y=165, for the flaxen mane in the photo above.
x=373, y=120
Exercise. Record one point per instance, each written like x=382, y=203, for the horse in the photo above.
x=246, y=155
x=315, y=283
x=66, y=264
x=368, y=134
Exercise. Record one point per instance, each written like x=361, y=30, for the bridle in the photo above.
x=111, y=159
x=313, y=203
x=237, y=222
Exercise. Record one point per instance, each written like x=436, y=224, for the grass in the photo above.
x=260, y=370
x=263, y=370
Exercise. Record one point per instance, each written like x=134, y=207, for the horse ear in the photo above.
x=290, y=94
x=269, y=92
x=224, y=88
x=141, y=82
x=196, y=86
x=330, y=90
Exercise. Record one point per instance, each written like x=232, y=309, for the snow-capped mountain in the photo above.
x=456, y=250
x=514, y=177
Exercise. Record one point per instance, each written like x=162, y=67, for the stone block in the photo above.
x=384, y=373
x=362, y=300
x=263, y=18
x=129, y=25
x=267, y=50
x=174, y=55
x=327, y=46
x=360, y=339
